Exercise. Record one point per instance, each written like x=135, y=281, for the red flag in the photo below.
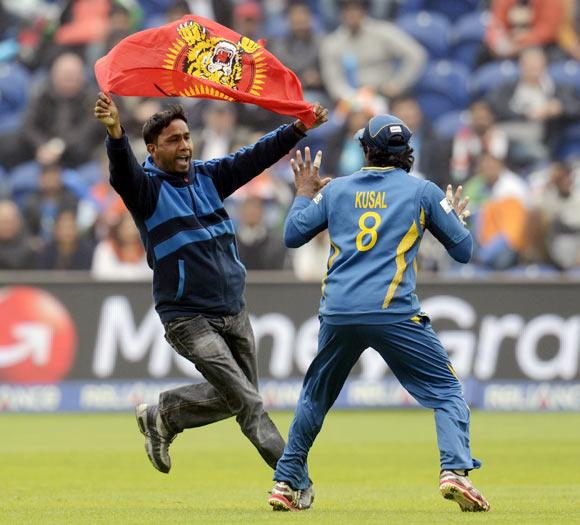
x=196, y=57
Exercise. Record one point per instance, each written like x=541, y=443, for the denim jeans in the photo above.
x=224, y=352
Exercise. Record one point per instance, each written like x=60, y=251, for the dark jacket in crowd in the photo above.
x=17, y=254
x=49, y=115
x=51, y=258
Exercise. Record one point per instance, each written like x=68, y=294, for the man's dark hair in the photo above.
x=383, y=159
x=158, y=122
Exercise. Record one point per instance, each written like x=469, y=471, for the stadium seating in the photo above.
x=566, y=73
x=447, y=125
x=452, y=9
x=467, y=37
x=443, y=88
x=492, y=75
x=14, y=87
x=23, y=180
x=569, y=147
x=430, y=30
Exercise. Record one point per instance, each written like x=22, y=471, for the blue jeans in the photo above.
x=414, y=354
x=224, y=352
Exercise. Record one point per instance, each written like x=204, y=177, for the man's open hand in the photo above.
x=460, y=206
x=306, y=178
x=106, y=112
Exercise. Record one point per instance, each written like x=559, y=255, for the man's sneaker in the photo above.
x=157, y=437
x=285, y=498
x=458, y=487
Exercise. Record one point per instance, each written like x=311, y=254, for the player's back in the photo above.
x=375, y=224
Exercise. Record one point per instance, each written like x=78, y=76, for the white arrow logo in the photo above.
x=31, y=340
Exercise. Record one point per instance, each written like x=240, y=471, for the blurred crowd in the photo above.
x=490, y=89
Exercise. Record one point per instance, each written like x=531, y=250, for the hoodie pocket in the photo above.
x=181, y=283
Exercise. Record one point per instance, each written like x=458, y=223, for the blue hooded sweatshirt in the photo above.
x=188, y=236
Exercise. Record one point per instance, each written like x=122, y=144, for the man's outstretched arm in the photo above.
x=445, y=219
x=233, y=171
x=308, y=215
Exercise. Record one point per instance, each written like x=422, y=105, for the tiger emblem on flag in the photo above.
x=214, y=59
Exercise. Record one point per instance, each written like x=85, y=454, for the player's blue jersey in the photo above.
x=376, y=218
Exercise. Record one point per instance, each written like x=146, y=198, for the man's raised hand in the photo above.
x=106, y=112
x=321, y=114
x=460, y=206
x=306, y=178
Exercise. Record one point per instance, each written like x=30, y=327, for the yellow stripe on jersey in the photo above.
x=422, y=222
x=453, y=372
x=378, y=168
x=330, y=262
x=404, y=246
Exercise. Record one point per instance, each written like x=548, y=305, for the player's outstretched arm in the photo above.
x=308, y=216
x=107, y=112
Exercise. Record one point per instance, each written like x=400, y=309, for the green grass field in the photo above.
x=368, y=467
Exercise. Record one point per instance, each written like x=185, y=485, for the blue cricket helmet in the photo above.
x=385, y=133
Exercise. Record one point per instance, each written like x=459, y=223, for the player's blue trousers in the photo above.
x=416, y=357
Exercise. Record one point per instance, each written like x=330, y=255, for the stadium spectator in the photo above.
x=516, y=25
x=198, y=282
x=220, y=134
x=67, y=250
x=500, y=199
x=55, y=127
x=431, y=153
x=348, y=154
x=363, y=52
x=120, y=24
x=16, y=247
x=247, y=19
x=569, y=34
x=83, y=22
x=101, y=207
x=558, y=202
x=479, y=135
x=121, y=257
x=44, y=204
x=534, y=109
x=260, y=247
x=177, y=10
x=300, y=49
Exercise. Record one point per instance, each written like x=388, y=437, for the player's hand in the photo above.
x=306, y=178
x=106, y=112
x=321, y=114
x=460, y=206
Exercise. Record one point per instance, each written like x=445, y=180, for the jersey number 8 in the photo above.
x=367, y=230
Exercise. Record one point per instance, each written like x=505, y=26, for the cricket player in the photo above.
x=376, y=218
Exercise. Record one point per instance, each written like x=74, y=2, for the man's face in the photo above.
x=352, y=15
x=174, y=148
x=481, y=118
x=490, y=168
x=532, y=65
x=300, y=20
